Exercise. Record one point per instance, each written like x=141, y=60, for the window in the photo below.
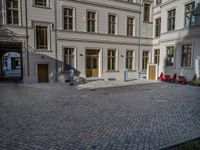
x=111, y=60
x=41, y=37
x=130, y=26
x=111, y=24
x=91, y=19
x=68, y=19
x=68, y=58
x=129, y=60
x=186, y=55
x=12, y=12
x=146, y=12
x=171, y=19
x=145, y=59
x=190, y=14
x=158, y=27
x=158, y=2
x=157, y=56
x=41, y=3
x=170, y=57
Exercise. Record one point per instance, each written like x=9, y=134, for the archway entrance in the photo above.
x=11, y=68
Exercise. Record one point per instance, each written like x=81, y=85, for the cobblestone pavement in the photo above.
x=58, y=117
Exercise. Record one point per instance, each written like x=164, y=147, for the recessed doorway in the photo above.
x=43, y=73
x=92, y=63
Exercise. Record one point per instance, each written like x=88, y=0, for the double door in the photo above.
x=92, y=63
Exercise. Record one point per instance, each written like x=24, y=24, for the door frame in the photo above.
x=42, y=63
x=99, y=61
x=156, y=71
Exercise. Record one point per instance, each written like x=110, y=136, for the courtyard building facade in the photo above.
x=177, y=37
x=99, y=39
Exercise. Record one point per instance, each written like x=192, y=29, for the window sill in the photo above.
x=144, y=71
x=156, y=37
x=131, y=70
x=170, y=30
x=112, y=71
x=38, y=6
x=13, y=25
x=170, y=67
x=186, y=68
x=69, y=30
x=66, y=71
x=130, y=36
x=148, y=22
x=112, y=34
x=44, y=50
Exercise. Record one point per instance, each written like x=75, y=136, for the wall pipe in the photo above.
x=56, y=50
x=27, y=38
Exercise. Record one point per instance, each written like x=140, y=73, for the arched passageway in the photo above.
x=11, y=68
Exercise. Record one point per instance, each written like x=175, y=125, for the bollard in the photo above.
x=126, y=75
x=71, y=77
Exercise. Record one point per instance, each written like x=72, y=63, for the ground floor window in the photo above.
x=156, y=56
x=186, y=55
x=68, y=58
x=129, y=60
x=170, y=56
x=145, y=59
x=111, y=60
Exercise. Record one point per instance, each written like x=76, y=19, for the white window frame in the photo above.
x=63, y=57
x=174, y=61
x=116, y=59
x=133, y=34
x=96, y=20
x=74, y=18
x=4, y=13
x=133, y=61
x=116, y=23
x=47, y=6
x=48, y=25
x=192, y=55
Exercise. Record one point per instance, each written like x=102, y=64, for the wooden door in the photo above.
x=43, y=73
x=152, y=72
x=92, y=63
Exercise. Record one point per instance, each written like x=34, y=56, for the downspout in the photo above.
x=27, y=37
x=140, y=15
x=56, y=45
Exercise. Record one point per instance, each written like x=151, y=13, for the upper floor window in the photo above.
x=111, y=24
x=68, y=19
x=12, y=12
x=42, y=3
x=68, y=58
x=171, y=19
x=158, y=2
x=91, y=20
x=186, y=55
x=130, y=26
x=146, y=12
x=190, y=14
x=170, y=56
x=41, y=37
x=158, y=27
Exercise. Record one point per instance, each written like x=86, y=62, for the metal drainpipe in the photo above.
x=27, y=37
x=56, y=50
x=141, y=4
